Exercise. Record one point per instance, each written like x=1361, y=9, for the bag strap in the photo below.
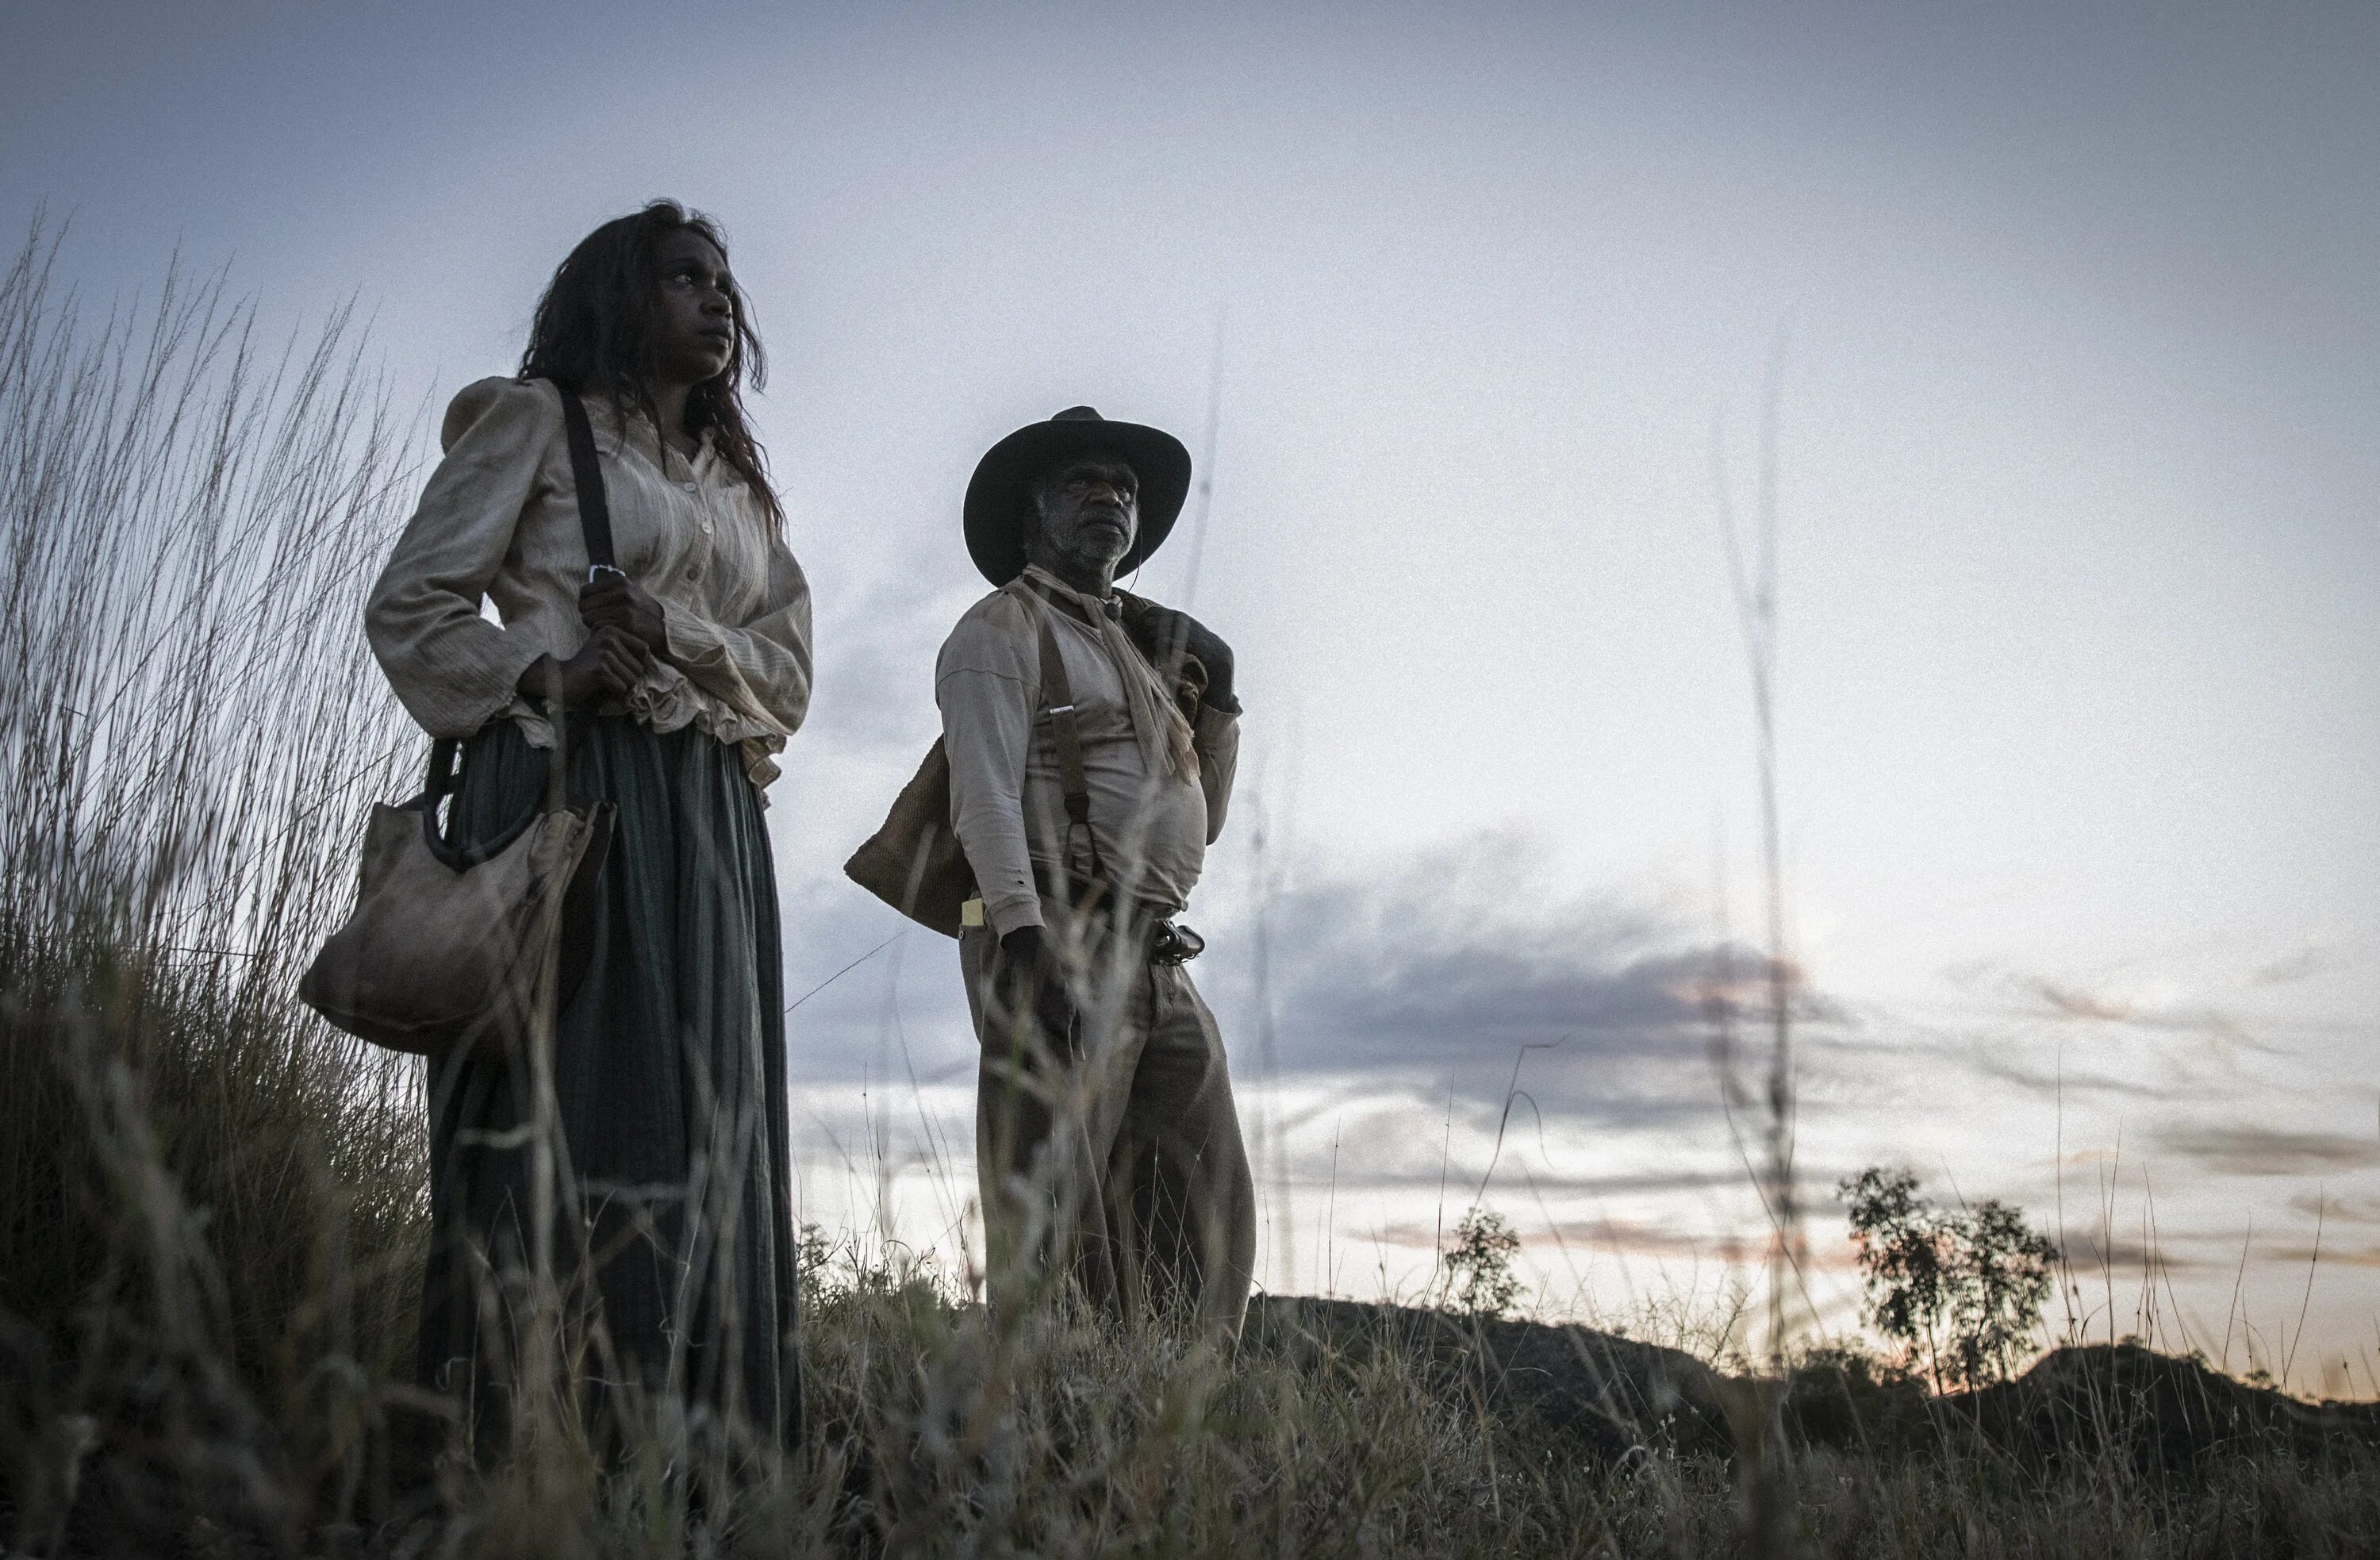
x=595, y=526
x=587, y=476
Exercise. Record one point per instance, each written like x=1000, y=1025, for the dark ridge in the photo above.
x=1596, y=1395
x=2156, y=1409
x=1601, y=1396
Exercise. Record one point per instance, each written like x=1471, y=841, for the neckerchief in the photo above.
x=1164, y=737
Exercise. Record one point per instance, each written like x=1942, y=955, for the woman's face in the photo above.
x=698, y=314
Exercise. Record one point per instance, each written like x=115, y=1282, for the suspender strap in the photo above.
x=1066, y=732
x=594, y=508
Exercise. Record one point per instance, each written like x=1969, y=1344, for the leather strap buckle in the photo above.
x=1171, y=942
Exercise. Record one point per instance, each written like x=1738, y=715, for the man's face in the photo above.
x=1088, y=512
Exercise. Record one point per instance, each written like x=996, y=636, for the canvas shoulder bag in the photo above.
x=451, y=945
x=915, y=863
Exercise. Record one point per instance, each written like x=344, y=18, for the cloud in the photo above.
x=1630, y=1236
x=2302, y=964
x=2344, y=1256
x=1460, y=962
x=2333, y=1208
x=2051, y=1083
x=2154, y=1007
x=1636, y=1238
x=1406, y=1149
x=2067, y=1001
x=2072, y=1003
x=2256, y=1151
x=875, y=692
x=2091, y=1251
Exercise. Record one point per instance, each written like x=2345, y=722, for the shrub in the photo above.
x=1962, y=1289
x=1481, y=1262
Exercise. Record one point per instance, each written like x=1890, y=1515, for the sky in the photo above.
x=2070, y=318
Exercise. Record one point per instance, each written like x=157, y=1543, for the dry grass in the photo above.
x=211, y=1204
x=212, y=1207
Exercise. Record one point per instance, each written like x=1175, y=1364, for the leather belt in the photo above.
x=1168, y=942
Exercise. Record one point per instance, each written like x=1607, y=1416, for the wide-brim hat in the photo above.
x=999, y=493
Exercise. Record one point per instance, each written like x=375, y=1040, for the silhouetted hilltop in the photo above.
x=2155, y=1408
x=1601, y=1395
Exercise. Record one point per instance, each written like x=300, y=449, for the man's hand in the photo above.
x=614, y=601
x=1165, y=636
x=607, y=664
x=1027, y=979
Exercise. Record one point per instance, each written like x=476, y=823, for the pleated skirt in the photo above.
x=671, y=1249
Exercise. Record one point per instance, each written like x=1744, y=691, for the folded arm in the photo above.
x=1190, y=656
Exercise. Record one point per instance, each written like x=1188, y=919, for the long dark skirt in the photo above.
x=672, y=1248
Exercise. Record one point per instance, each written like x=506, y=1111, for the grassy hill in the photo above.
x=204, y=1295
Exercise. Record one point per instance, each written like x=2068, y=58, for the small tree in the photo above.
x=1963, y=1289
x=2003, y=1278
x=1482, y=1259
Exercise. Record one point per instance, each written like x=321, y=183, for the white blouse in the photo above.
x=499, y=522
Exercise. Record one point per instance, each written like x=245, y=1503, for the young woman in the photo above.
x=672, y=681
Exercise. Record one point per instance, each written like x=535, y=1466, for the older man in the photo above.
x=1091, y=737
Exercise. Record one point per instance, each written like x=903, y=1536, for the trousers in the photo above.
x=1116, y=1164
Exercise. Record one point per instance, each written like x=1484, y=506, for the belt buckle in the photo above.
x=1170, y=942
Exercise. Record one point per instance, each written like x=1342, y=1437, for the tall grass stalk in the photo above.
x=1768, y=1482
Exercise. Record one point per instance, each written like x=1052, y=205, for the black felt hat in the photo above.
x=1002, y=490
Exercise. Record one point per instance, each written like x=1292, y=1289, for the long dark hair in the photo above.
x=594, y=331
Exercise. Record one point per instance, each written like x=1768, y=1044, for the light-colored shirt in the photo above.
x=1152, y=823
x=499, y=522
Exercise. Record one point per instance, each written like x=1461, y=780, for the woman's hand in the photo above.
x=607, y=664
x=614, y=601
